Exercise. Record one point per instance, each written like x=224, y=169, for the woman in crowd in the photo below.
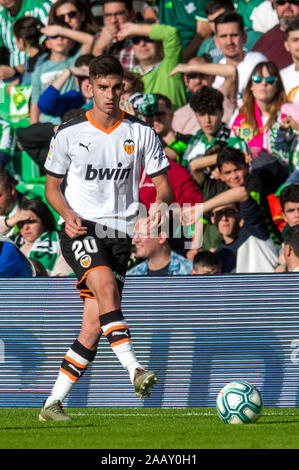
x=76, y=13
x=260, y=119
x=38, y=238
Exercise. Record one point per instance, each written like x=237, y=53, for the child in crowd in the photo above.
x=206, y=263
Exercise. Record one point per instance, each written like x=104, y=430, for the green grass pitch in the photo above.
x=147, y=428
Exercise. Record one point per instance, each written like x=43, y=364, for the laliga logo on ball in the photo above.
x=85, y=261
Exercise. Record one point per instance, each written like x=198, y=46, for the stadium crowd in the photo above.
x=218, y=80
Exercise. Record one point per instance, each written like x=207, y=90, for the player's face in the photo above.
x=106, y=92
x=292, y=44
x=230, y=39
x=7, y=198
x=210, y=123
x=233, y=175
x=291, y=213
x=32, y=228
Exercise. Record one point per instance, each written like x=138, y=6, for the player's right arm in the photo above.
x=54, y=196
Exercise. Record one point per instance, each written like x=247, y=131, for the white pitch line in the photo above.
x=174, y=416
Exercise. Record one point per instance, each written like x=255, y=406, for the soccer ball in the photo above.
x=239, y=403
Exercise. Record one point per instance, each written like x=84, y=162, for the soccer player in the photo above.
x=101, y=153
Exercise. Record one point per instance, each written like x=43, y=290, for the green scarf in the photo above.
x=45, y=249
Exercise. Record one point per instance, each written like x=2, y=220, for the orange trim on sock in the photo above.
x=70, y=376
x=121, y=341
x=117, y=327
x=69, y=359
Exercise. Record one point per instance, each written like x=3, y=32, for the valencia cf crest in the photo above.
x=129, y=146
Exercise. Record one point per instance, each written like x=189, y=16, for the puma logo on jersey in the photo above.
x=85, y=146
x=107, y=173
x=120, y=333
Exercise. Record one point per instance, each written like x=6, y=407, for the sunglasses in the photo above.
x=29, y=221
x=70, y=14
x=137, y=39
x=226, y=213
x=193, y=76
x=117, y=13
x=282, y=2
x=268, y=80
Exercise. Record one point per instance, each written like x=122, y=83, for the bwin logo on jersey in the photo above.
x=107, y=173
x=129, y=146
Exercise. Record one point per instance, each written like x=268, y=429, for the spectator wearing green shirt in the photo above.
x=10, y=12
x=208, y=106
x=158, y=49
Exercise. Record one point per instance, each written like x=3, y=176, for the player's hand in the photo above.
x=73, y=226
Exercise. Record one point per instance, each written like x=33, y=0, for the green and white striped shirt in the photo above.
x=198, y=144
x=36, y=8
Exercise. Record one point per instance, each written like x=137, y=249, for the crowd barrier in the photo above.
x=196, y=332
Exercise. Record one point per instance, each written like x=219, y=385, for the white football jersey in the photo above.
x=103, y=167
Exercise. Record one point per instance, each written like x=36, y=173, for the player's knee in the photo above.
x=109, y=291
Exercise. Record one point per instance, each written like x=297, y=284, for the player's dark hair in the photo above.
x=6, y=179
x=207, y=100
x=289, y=194
x=293, y=25
x=104, y=65
x=215, y=5
x=42, y=211
x=28, y=29
x=292, y=238
x=230, y=155
x=230, y=17
x=208, y=259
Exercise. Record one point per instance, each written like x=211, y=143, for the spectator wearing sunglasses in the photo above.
x=76, y=13
x=246, y=246
x=10, y=12
x=259, y=121
x=38, y=237
x=116, y=13
x=271, y=44
x=158, y=50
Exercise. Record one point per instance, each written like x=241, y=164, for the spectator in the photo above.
x=54, y=103
x=271, y=44
x=206, y=263
x=48, y=71
x=289, y=201
x=27, y=34
x=189, y=18
x=76, y=13
x=208, y=106
x=199, y=67
x=38, y=237
x=291, y=249
x=246, y=246
x=132, y=83
x=215, y=8
x=115, y=14
x=160, y=260
x=8, y=15
x=231, y=38
x=174, y=143
x=12, y=261
x=184, y=118
x=290, y=74
x=264, y=16
x=10, y=200
x=260, y=121
x=158, y=49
